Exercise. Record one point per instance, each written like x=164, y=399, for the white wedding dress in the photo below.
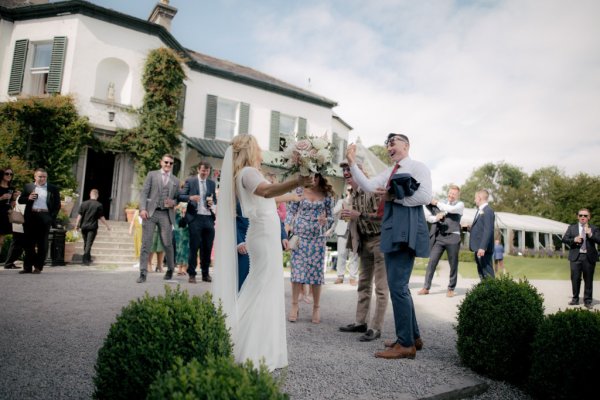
x=255, y=315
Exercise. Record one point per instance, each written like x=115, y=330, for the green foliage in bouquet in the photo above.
x=217, y=379
x=150, y=333
x=496, y=325
x=566, y=353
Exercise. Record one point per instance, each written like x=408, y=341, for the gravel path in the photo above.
x=52, y=325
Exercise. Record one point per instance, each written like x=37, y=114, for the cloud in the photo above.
x=469, y=82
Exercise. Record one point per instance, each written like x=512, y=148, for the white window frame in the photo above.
x=226, y=127
x=284, y=136
x=36, y=78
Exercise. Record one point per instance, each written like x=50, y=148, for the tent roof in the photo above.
x=529, y=223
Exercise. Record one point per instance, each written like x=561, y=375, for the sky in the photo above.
x=468, y=81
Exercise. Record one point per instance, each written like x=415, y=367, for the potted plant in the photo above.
x=130, y=209
x=71, y=237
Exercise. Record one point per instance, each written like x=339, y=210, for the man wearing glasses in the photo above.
x=404, y=234
x=582, y=239
x=157, y=207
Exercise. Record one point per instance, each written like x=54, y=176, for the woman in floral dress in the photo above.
x=309, y=219
x=182, y=240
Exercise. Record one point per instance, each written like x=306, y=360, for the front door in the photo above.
x=99, y=175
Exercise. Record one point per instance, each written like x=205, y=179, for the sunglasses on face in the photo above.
x=8, y=173
x=394, y=139
x=168, y=162
x=583, y=216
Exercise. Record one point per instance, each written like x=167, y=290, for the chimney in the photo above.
x=163, y=14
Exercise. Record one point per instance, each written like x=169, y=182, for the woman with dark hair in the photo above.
x=7, y=201
x=309, y=219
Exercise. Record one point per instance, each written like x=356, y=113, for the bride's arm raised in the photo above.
x=269, y=190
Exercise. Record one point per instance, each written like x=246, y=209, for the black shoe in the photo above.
x=574, y=303
x=371, y=334
x=206, y=278
x=141, y=279
x=26, y=271
x=354, y=328
x=589, y=306
x=11, y=266
x=168, y=275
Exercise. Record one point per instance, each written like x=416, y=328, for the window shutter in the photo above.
x=335, y=144
x=274, y=139
x=57, y=62
x=344, y=146
x=244, y=119
x=301, y=128
x=181, y=107
x=210, y=124
x=15, y=84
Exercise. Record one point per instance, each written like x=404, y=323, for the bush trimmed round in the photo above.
x=496, y=325
x=150, y=333
x=216, y=379
x=566, y=355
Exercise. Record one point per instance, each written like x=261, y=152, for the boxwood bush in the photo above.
x=149, y=334
x=217, y=379
x=496, y=325
x=566, y=356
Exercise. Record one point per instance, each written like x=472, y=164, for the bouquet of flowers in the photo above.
x=310, y=155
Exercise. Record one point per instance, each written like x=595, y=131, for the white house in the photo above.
x=97, y=55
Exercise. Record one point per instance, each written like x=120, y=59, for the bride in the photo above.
x=255, y=315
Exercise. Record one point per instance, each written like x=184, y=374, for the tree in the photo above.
x=43, y=132
x=158, y=131
x=381, y=153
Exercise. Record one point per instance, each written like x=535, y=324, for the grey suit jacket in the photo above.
x=151, y=193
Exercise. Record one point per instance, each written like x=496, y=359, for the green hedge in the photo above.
x=149, y=334
x=496, y=325
x=566, y=356
x=217, y=379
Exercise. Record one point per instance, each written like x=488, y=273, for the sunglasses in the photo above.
x=8, y=173
x=393, y=139
x=583, y=215
x=168, y=162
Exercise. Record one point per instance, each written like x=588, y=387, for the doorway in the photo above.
x=99, y=175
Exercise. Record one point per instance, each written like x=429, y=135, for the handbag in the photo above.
x=16, y=217
x=294, y=240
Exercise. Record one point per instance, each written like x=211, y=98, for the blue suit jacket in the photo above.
x=404, y=226
x=192, y=188
x=482, y=231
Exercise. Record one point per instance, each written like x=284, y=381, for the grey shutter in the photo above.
x=15, y=84
x=210, y=124
x=335, y=147
x=181, y=107
x=244, y=119
x=344, y=147
x=57, y=62
x=274, y=139
x=301, y=128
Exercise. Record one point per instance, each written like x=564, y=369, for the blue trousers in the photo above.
x=399, y=266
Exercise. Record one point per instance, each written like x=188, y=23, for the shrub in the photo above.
x=496, y=325
x=566, y=353
x=218, y=378
x=463, y=256
x=149, y=334
x=5, y=246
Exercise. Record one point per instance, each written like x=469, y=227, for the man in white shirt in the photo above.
x=444, y=235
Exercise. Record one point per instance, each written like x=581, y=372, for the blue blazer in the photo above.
x=482, y=231
x=404, y=226
x=192, y=188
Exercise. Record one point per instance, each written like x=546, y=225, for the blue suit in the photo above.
x=202, y=227
x=482, y=237
x=242, y=224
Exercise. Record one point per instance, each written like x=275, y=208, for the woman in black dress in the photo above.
x=7, y=200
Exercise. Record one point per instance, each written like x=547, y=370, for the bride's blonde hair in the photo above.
x=246, y=153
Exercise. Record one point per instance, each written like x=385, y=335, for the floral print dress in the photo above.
x=308, y=260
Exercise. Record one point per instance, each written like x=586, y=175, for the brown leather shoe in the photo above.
x=338, y=281
x=398, y=351
x=423, y=291
x=450, y=293
x=391, y=343
x=37, y=271
x=192, y=279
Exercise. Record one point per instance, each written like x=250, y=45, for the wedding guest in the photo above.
x=309, y=219
x=255, y=315
x=182, y=239
x=7, y=201
x=135, y=228
x=345, y=255
x=498, y=257
x=15, y=250
x=90, y=213
x=156, y=249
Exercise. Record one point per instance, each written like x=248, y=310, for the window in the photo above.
x=42, y=53
x=283, y=128
x=225, y=118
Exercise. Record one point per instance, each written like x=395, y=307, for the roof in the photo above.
x=196, y=61
x=529, y=223
x=216, y=148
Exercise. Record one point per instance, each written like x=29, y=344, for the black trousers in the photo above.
x=582, y=267
x=89, y=235
x=37, y=226
x=16, y=248
x=202, y=236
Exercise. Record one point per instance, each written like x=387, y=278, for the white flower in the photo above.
x=319, y=143
x=323, y=156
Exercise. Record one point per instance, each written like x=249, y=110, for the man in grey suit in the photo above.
x=157, y=207
x=404, y=235
x=481, y=239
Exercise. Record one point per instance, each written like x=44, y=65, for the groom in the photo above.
x=199, y=193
